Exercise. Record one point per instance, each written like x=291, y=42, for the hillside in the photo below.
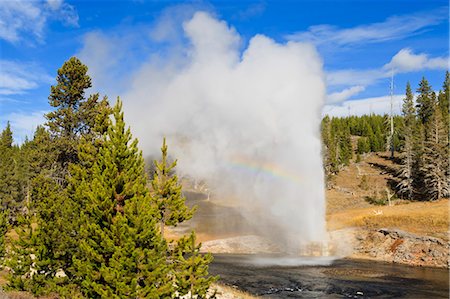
x=355, y=186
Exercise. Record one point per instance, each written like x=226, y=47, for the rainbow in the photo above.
x=263, y=167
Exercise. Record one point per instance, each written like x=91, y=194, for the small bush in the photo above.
x=375, y=201
x=364, y=184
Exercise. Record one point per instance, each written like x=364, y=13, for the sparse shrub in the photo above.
x=364, y=183
x=375, y=200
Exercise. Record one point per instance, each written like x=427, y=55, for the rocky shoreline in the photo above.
x=397, y=246
x=386, y=245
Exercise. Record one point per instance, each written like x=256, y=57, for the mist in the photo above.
x=245, y=118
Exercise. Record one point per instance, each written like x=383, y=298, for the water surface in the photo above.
x=344, y=278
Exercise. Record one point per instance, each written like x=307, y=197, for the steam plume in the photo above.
x=245, y=121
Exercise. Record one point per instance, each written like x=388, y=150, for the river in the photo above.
x=343, y=278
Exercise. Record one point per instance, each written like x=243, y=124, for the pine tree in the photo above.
x=55, y=154
x=407, y=171
x=435, y=158
x=363, y=145
x=75, y=116
x=166, y=193
x=6, y=138
x=443, y=98
x=425, y=103
x=326, y=140
x=3, y=230
x=65, y=123
x=122, y=254
x=191, y=269
x=20, y=260
x=9, y=172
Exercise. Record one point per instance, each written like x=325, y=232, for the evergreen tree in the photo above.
x=9, y=172
x=40, y=153
x=425, y=103
x=55, y=153
x=122, y=254
x=65, y=123
x=75, y=116
x=167, y=195
x=3, y=230
x=325, y=134
x=407, y=171
x=20, y=260
x=443, y=100
x=6, y=138
x=191, y=269
x=435, y=158
x=363, y=145
x=444, y=97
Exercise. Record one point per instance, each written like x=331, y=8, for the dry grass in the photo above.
x=227, y=292
x=346, y=206
x=23, y=295
x=424, y=218
x=349, y=186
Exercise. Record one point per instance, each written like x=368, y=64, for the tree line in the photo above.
x=90, y=221
x=421, y=140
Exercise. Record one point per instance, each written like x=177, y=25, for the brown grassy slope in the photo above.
x=346, y=206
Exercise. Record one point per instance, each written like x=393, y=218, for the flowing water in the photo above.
x=343, y=278
x=271, y=276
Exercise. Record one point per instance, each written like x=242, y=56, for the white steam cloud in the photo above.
x=245, y=121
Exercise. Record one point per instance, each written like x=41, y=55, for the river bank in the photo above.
x=392, y=246
x=384, y=245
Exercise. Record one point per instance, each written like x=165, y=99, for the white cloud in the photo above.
x=23, y=124
x=18, y=78
x=377, y=105
x=340, y=96
x=395, y=27
x=406, y=61
x=29, y=18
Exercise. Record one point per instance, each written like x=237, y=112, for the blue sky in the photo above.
x=360, y=42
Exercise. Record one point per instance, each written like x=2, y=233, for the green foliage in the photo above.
x=421, y=136
x=6, y=138
x=166, y=193
x=425, y=101
x=10, y=173
x=121, y=253
x=364, y=183
x=20, y=258
x=191, y=268
x=408, y=169
x=49, y=189
x=3, y=229
x=337, y=143
x=436, y=159
x=81, y=182
x=75, y=116
x=363, y=145
x=373, y=200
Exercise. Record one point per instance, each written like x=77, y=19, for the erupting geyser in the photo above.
x=245, y=120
